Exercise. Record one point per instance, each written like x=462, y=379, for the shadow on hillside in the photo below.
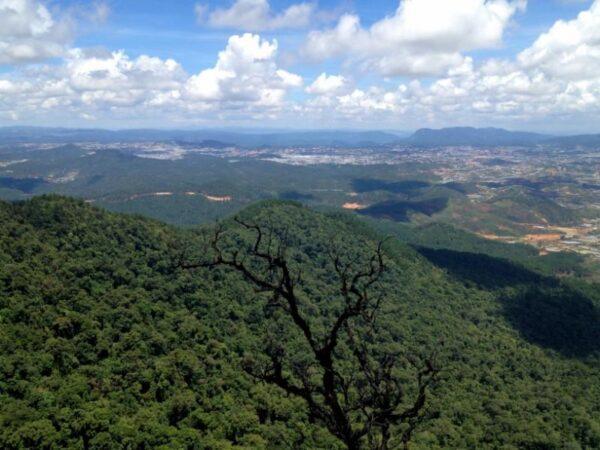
x=26, y=185
x=485, y=271
x=561, y=319
x=399, y=210
x=544, y=311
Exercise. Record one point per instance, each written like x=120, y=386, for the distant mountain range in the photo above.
x=245, y=139
x=334, y=138
x=474, y=136
x=496, y=136
x=583, y=140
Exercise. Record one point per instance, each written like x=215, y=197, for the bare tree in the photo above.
x=359, y=408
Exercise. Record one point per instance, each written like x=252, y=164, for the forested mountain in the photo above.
x=460, y=136
x=441, y=236
x=107, y=342
x=474, y=136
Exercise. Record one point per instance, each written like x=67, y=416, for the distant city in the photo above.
x=545, y=193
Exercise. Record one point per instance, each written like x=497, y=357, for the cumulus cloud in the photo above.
x=257, y=15
x=570, y=49
x=423, y=36
x=100, y=84
x=558, y=74
x=496, y=91
x=28, y=32
x=556, y=79
x=113, y=79
x=90, y=84
x=245, y=72
x=328, y=84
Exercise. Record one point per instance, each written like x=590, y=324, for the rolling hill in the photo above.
x=105, y=343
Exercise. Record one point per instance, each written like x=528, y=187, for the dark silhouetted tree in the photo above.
x=351, y=384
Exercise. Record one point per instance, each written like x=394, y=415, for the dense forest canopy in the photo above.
x=105, y=343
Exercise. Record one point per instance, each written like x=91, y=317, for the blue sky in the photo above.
x=291, y=63
x=171, y=30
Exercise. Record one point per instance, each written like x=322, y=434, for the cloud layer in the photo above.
x=28, y=32
x=256, y=15
x=556, y=80
x=423, y=37
x=97, y=84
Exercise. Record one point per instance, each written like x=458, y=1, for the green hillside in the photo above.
x=440, y=235
x=523, y=205
x=105, y=343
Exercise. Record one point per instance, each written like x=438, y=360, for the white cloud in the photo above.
x=246, y=72
x=554, y=81
x=91, y=84
x=110, y=85
x=569, y=50
x=89, y=71
x=422, y=37
x=7, y=87
x=28, y=32
x=256, y=15
x=499, y=92
x=289, y=79
x=328, y=85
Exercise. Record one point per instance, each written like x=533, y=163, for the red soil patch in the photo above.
x=543, y=237
x=352, y=205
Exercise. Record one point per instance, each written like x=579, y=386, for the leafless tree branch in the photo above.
x=360, y=408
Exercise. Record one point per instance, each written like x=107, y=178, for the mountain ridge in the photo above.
x=103, y=342
x=280, y=138
x=474, y=136
x=491, y=136
x=450, y=136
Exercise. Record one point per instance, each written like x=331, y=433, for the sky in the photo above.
x=326, y=64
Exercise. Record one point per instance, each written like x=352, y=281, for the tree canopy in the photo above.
x=105, y=343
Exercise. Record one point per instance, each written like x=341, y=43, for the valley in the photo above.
x=543, y=195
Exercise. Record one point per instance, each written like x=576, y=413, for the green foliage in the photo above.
x=104, y=343
x=529, y=205
x=444, y=236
